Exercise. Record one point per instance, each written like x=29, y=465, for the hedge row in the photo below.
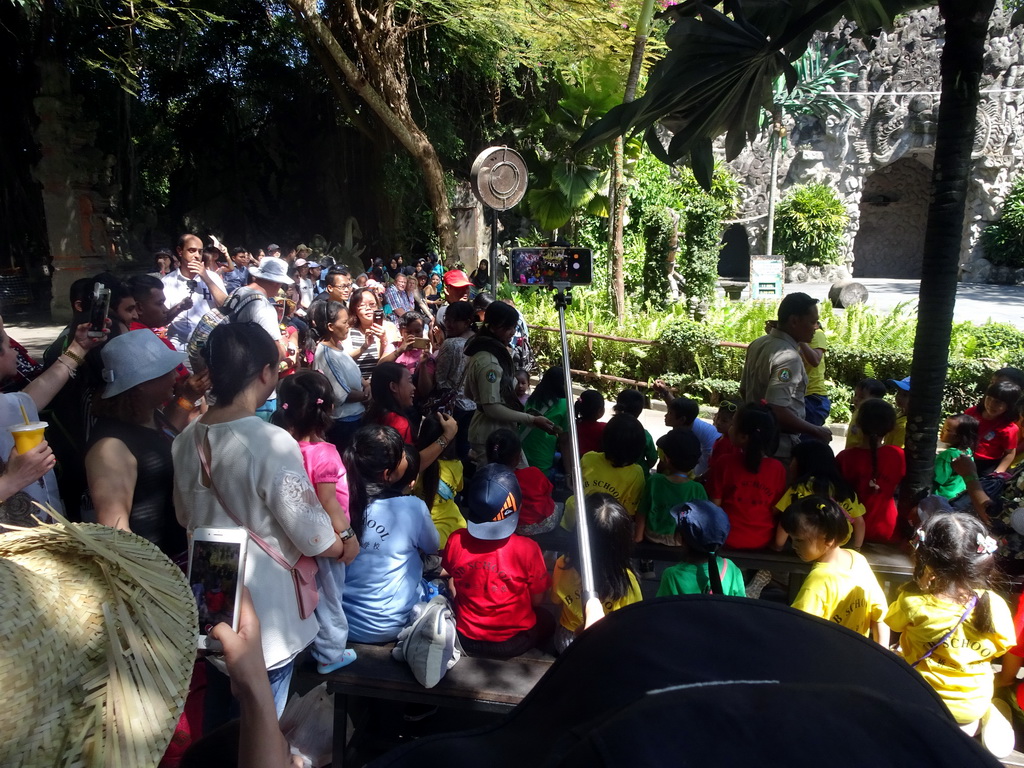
x=688, y=355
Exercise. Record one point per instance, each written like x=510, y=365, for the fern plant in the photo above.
x=809, y=225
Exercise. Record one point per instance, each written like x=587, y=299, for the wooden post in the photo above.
x=590, y=339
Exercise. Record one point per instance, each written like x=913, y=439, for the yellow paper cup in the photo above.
x=28, y=436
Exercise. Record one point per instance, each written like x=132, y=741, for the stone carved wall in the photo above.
x=896, y=91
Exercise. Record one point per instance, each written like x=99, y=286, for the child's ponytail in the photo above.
x=589, y=406
x=818, y=513
x=757, y=423
x=961, y=555
x=375, y=451
x=876, y=418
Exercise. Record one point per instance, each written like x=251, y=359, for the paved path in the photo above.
x=974, y=301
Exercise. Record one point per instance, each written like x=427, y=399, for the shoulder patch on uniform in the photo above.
x=492, y=376
x=785, y=374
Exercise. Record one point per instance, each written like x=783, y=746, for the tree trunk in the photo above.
x=619, y=202
x=616, y=250
x=961, y=67
x=393, y=112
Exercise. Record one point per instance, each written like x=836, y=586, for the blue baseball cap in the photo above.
x=903, y=384
x=704, y=526
x=493, y=500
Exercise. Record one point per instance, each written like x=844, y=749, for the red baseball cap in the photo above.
x=456, y=278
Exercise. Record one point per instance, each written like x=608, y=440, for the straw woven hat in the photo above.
x=97, y=642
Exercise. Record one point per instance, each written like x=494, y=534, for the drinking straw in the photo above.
x=24, y=414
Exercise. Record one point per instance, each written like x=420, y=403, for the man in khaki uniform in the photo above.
x=774, y=372
x=490, y=382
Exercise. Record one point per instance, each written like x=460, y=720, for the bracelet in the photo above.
x=77, y=358
x=347, y=534
x=184, y=404
x=442, y=441
x=71, y=371
x=971, y=479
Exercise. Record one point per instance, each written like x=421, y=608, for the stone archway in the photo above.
x=734, y=258
x=893, y=216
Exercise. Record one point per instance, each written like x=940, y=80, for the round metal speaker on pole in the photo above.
x=499, y=181
x=499, y=177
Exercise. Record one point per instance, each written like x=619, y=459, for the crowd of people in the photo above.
x=382, y=423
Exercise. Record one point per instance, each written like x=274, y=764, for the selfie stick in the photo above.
x=591, y=603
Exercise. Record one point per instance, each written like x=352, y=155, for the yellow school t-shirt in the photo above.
x=852, y=507
x=445, y=513
x=566, y=587
x=960, y=669
x=846, y=592
x=624, y=483
x=898, y=436
x=854, y=437
x=816, y=373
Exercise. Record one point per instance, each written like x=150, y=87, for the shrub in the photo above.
x=809, y=225
x=1003, y=241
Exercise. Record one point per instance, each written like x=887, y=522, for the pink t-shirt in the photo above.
x=323, y=465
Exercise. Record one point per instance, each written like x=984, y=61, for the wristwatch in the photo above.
x=442, y=441
x=347, y=534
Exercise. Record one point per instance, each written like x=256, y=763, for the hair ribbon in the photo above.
x=986, y=544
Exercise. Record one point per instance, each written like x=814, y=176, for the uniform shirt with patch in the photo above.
x=774, y=372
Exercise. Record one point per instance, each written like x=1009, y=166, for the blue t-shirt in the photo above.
x=383, y=583
x=707, y=435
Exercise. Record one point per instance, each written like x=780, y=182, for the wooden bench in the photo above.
x=891, y=566
x=487, y=685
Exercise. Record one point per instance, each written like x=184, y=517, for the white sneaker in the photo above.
x=760, y=581
x=997, y=729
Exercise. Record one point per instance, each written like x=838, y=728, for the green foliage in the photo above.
x=862, y=343
x=809, y=225
x=814, y=94
x=657, y=188
x=1003, y=241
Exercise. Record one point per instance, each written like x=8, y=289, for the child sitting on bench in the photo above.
x=497, y=576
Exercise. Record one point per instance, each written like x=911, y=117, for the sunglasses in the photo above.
x=729, y=406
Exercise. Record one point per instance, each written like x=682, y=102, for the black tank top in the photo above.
x=152, y=515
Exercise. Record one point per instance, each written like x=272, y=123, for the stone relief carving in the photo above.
x=895, y=88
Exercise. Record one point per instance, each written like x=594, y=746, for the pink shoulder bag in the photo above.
x=303, y=572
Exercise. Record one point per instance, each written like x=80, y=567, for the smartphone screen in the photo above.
x=100, y=308
x=213, y=576
x=547, y=266
x=378, y=316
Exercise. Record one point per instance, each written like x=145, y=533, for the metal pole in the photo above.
x=591, y=603
x=492, y=273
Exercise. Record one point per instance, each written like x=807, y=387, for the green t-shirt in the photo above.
x=692, y=579
x=947, y=482
x=538, y=445
x=660, y=495
x=650, y=458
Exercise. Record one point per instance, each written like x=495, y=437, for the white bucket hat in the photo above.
x=136, y=357
x=273, y=269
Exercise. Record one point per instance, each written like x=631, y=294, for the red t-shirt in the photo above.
x=996, y=437
x=590, y=434
x=399, y=422
x=879, y=504
x=538, y=503
x=748, y=499
x=723, y=447
x=494, y=584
